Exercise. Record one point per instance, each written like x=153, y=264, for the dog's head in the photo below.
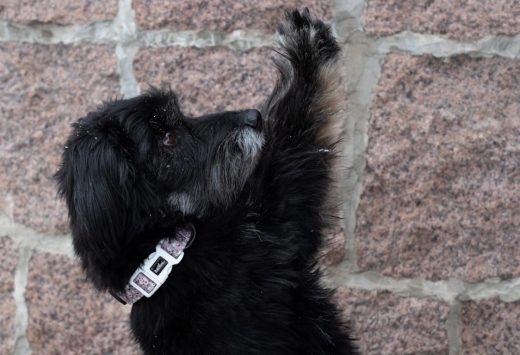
x=132, y=159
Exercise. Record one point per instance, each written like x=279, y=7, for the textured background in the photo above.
x=426, y=259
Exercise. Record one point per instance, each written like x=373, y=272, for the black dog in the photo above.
x=253, y=187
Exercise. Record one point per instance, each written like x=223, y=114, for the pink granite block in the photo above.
x=386, y=324
x=441, y=197
x=468, y=19
x=45, y=89
x=8, y=262
x=208, y=79
x=221, y=15
x=68, y=317
x=57, y=11
x=491, y=327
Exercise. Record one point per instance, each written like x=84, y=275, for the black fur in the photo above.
x=249, y=284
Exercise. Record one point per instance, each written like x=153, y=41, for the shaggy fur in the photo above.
x=256, y=189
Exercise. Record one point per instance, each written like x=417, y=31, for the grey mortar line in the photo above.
x=97, y=32
x=238, y=40
x=363, y=69
x=29, y=238
x=438, y=46
x=454, y=329
x=450, y=290
x=126, y=25
x=348, y=16
x=129, y=85
x=507, y=291
x=21, y=319
x=122, y=31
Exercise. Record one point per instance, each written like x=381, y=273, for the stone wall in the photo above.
x=426, y=257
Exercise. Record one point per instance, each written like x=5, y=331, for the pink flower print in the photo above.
x=173, y=248
x=166, y=246
x=131, y=294
x=177, y=249
x=176, y=246
x=144, y=282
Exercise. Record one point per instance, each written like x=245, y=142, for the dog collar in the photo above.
x=154, y=271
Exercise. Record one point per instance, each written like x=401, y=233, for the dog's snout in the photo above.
x=251, y=118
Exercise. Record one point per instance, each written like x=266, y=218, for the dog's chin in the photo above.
x=233, y=165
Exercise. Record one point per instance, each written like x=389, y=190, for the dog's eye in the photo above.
x=169, y=138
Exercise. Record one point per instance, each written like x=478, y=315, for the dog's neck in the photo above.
x=154, y=270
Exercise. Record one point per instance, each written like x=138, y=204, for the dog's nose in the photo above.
x=251, y=118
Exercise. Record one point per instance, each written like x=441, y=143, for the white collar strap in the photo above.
x=154, y=271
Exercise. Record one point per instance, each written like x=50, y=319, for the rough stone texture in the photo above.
x=222, y=15
x=491, y=327
x=386, y=324
x=464, y=19
x=44, y=89
x=8, y=262
x=57, y=12
x=68, y=316
x=441, y=197
x=208, y=79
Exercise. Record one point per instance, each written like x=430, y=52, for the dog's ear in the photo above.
x=105, y=194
